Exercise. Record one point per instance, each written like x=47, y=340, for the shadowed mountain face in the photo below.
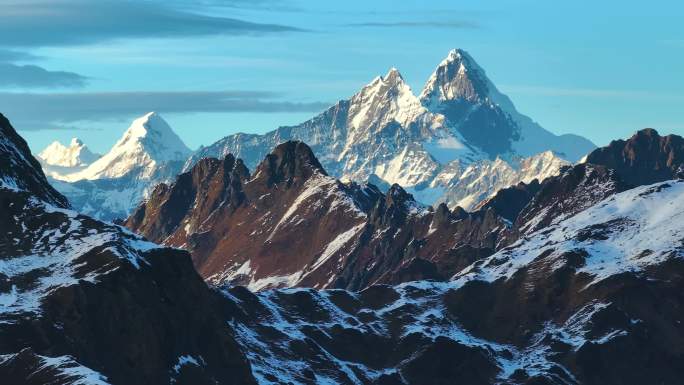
x=594, y=297
x=644, y=158
x=19, y=170
x=243, y=229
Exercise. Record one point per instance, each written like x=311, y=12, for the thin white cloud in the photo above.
x=35, y=23
x=32, y=76
x=37, y=111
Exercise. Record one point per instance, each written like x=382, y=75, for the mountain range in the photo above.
x=583, y=285
x=425, y=143
x=394, y=239
x=458, y=142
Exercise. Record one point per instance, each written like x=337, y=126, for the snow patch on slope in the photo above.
x=626, y=232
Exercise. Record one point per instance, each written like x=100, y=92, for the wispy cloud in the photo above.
x=9, y=55
x=32, y=76
x=32, y=23
x=455, y=24
x=14, y=75
x=36, y=111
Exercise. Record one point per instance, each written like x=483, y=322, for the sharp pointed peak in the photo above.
x=462, y=58
x=392, y=77
x=456, y=53
x=151, y=115
x=457, y=76
x=150, y=121
x=393, y=72
x=75, y=142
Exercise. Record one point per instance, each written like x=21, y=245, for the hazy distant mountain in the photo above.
x=149, y=152
x=58, y=159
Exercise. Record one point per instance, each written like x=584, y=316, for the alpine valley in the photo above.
x=392, y=240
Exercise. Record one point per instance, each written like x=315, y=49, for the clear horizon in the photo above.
x=602, y=71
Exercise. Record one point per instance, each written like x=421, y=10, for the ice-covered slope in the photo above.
x=385, y=131
x=149, y=152
x=467, y=186
x=627, y=232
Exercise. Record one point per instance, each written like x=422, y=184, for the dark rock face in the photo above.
x=20, y=170
x=288, y=161
x=220, y=181
x=85, y=291
x=644, y=158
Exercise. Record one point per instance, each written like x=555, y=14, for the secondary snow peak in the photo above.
x=148, y=141
x=75, y=155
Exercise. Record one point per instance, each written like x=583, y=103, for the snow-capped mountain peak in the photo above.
x=148, y=141
x=155, y=136
x=384, y=99
x=75, y=155
x=456, y=77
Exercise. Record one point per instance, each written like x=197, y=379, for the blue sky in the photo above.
x=212, y=68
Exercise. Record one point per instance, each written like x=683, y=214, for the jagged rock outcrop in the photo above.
x=19, y=170
x=346, y=235
x=644, y=158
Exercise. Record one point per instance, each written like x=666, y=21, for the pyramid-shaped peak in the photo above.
x=392, y=79
x=75, y=142
x=151, y=121
x=153, y=131
x=384, y=100
x=393, y=75
x=148, y=141
x=456, y=54
x=458, y=76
